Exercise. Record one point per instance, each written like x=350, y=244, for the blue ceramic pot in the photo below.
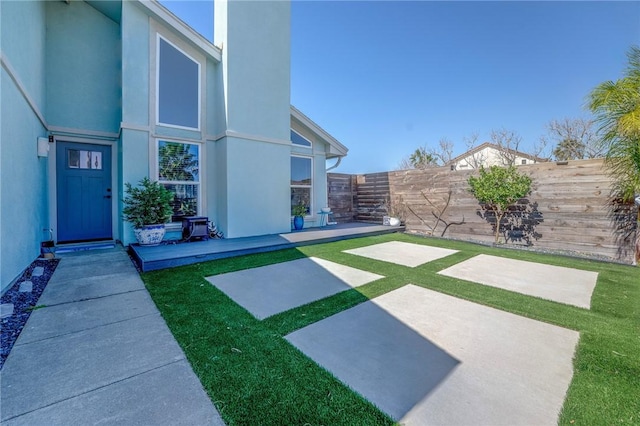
x=298, y=222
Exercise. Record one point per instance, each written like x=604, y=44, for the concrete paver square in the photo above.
x=427, y=358
x=405, y=254
x=272, y=289
x=560, y=284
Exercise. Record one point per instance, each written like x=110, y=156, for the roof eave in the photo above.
x=336, y=149
x=161, y=13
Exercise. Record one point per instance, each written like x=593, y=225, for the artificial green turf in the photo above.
x=255, y=377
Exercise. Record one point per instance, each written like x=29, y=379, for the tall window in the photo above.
x=298, y=139
x=178, y=171
x=301, y=182
x=178, y=97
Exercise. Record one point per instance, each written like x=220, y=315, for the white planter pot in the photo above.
x=394, y=221
x=390, y=221
x=150, y=235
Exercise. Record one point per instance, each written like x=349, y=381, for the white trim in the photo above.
x=177, y=138
x=127, y=126
x=157, y=100
x=311, y=187
x=22, y=89
x=83, y=132
x=159, y=12
x=246, y=136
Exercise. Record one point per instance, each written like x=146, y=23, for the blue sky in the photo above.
x=387, y=77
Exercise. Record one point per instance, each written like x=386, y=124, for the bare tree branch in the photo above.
x=509, y=142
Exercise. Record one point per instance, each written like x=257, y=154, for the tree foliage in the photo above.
x=421, y=158
x=616, y=107
x=498, y=188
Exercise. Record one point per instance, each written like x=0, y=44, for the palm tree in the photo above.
x=421, y=159
x=616, y=106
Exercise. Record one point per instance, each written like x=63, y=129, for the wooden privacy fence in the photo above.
x=566, y=209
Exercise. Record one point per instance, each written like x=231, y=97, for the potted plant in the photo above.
x=299, y=211
x=147, y=207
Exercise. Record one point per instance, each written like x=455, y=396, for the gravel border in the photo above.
x=23, y=303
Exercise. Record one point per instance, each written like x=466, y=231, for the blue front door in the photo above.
x=84, y=196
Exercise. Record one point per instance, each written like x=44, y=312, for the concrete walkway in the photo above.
x=100, y=352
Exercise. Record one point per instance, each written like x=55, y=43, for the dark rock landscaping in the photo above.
x=23, y=297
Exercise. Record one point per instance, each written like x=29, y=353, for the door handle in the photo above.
x=107, y=196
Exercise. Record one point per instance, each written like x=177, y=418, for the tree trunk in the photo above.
x=637, y=242
x=499, y=217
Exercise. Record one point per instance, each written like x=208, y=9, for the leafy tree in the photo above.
x=498, y=188
x=616, y=106
x=423, y=158
x=420, y=159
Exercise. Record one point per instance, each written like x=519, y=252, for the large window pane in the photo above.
x=178, y=162
x=300, y=171
x=178, y=87
x=179, y=172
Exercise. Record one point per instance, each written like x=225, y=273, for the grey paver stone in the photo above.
x=37, y=271
x=6, y=310
x=26, y=287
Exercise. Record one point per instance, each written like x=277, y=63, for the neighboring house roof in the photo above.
x=489, y=145
x=336, y=149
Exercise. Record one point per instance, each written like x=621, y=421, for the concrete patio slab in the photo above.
x=66, y=318
x=174, y=402
x=428, y=358
x=272, y=289
x=91, y=288
x=400, y=253
x=560, y=284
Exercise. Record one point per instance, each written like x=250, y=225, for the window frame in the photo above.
x=157, y=84
x=310, y=186
x=197, y=183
